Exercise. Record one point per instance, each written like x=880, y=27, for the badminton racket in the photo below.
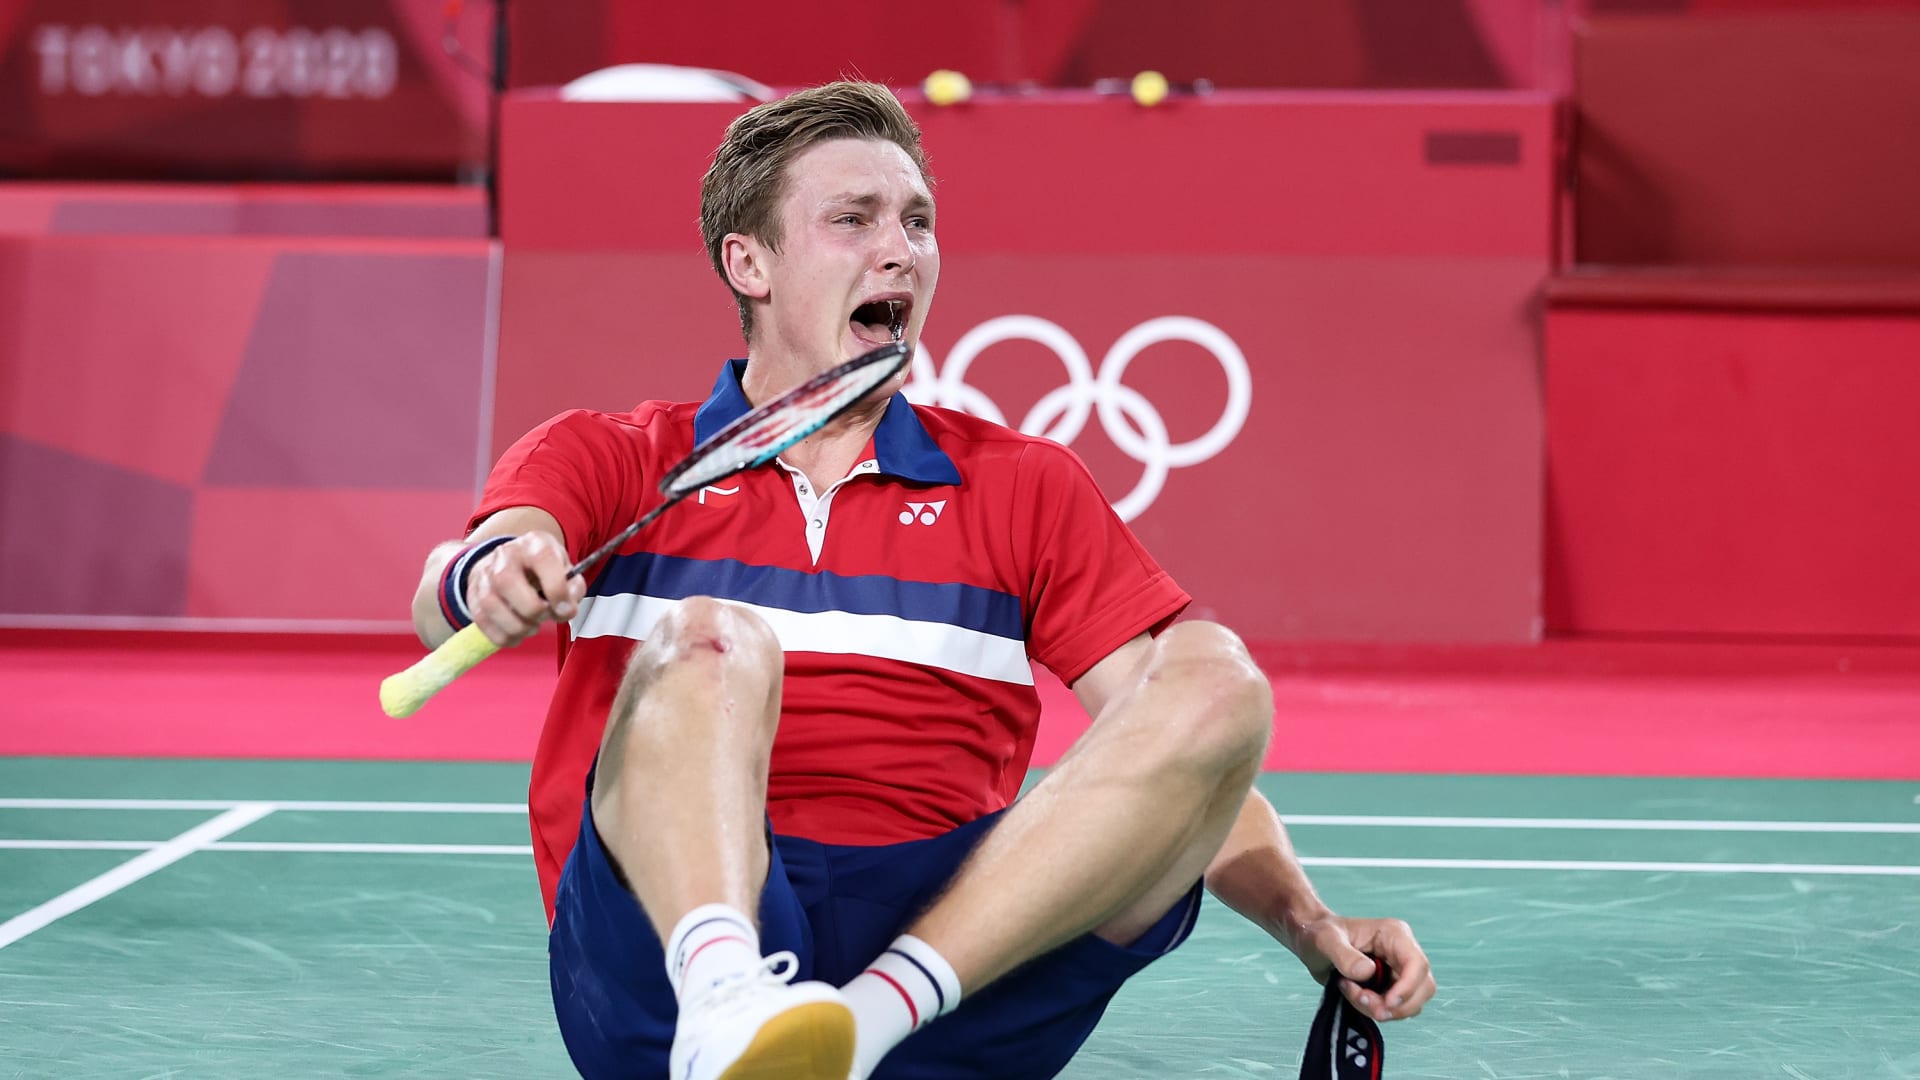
x=754, y=439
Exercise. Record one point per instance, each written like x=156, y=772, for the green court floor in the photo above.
x=1580, y=928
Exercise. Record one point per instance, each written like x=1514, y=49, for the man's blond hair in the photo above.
x=742, y=189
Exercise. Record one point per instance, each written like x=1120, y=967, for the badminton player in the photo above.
x=773, y=803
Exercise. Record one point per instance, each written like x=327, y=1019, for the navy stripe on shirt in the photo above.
x=674, y=577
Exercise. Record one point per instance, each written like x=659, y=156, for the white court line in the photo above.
x=375, y=849
x=162, y=856
x=79, y=845
x=321, y=806
x=1620, y=824
x=1613, y=866
x=1349, y=820
x=274, y=845
x=526, y=851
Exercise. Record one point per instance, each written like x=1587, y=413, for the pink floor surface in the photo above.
x=1594, y=708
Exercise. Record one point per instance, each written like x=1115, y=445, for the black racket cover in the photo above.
x=1345, y=1043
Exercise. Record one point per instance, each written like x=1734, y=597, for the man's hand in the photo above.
x=521, y=584
x=1258, y=875
x=1333, y=946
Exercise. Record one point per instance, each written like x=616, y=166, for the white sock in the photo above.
x=712, y=943
x=900, y=992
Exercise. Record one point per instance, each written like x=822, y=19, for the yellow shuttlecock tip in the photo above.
x=1149, y=88
x=945, y=87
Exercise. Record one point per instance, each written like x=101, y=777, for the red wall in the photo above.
x=1376, y=261
x=1779, y=139
x=232, y=89
x=1729, y=363
x=1240, y=43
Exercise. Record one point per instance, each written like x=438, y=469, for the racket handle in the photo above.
x=402, y=694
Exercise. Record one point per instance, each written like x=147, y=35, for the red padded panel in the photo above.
x=124, y=350
x=270, y=553
x=1732, y=473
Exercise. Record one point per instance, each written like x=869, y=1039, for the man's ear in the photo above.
x=745, y=261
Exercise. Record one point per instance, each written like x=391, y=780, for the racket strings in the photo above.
x=762, y=434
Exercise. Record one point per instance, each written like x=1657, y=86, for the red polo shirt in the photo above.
x=909, y=599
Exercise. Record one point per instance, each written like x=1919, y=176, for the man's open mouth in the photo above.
x=882, y=320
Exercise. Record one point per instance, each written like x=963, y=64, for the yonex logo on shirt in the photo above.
x=925, y=513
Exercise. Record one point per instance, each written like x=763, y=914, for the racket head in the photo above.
x=760, y=435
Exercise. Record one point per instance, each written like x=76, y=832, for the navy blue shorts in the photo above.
x=836, y=908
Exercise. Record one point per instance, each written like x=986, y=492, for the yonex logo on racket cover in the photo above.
x=1356, y=1047
x=925, y=513
x=1129, y=419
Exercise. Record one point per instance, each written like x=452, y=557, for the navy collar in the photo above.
x=901, y=445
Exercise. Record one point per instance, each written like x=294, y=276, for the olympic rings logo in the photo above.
x=1128, y=418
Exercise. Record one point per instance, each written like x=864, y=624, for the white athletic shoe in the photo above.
x=763, y=1026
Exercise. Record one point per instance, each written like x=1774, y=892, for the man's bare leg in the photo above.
x=1127, y=821
x=679, y=797
x=679, y=800
x=1118, y=831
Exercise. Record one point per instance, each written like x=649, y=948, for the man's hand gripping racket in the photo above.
x=754, y=439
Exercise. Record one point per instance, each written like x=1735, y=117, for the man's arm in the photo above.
x=1257, y=874
x=511, y=591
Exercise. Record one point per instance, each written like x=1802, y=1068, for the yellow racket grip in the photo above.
x=402, y=694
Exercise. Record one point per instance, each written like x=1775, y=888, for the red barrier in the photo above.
x=216, y=428
x=394, y=210
x=1729, y=472
x=1730, y=381
x=1352, y=425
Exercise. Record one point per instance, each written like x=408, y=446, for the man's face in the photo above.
x=857, y=263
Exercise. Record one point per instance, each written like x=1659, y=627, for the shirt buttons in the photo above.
x=818, y=524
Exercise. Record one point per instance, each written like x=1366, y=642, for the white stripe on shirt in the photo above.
x=889, y=637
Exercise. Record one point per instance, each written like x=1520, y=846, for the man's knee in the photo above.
x=702, y=630
x=1231, y=714
x=702, y=648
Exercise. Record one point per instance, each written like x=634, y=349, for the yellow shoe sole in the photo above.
x=809, y=1042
